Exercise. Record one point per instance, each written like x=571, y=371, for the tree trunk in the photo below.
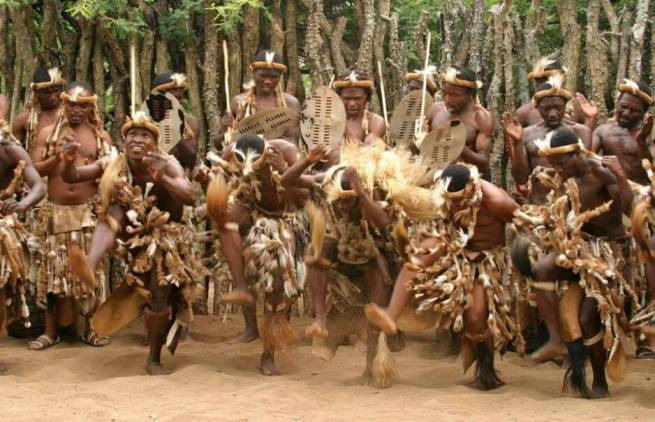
x=378, y=40
x=477, y=37
x=420, y=33
x=234, y=48
x=534, y=28
x=336, y=40
x=162, y=59
x=313, y=43
x=84, y=50
x=191, y=61
x=596, y=59
x=572, y=37
x=99, y=74
x=146, y=59
x=448, y=36
x=49, y=32
x=6, y=69
x=277, y=28
x=522, y=63
x=291, y=41
x=398, y=60
x=615, y=25
x=365, y=54
x=119, y=79
x=624, y=48
x=250, y=40
x=210, y=79
x=23, y=26
x=637, y=43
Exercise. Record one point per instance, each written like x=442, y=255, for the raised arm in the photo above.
x=480, y=157
x=227, y=121
x=76, y=174
x=498, y=202
x=521, y=164
x=597, y=139
x=186, y=150
x=372, y=210
x=294, y=177
x=170, y=175
x=617, y=182
x=644, y=140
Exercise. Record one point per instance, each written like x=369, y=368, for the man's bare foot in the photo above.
x=245, y=337
x=237, y=297
x=155, y=368
x=379, y=317
x=3, y=369
x=367, y=377
x=549, y=351
x=317, y=329
x=322, y=349
x=396, y=342
x=267, y=364
x=600, y=391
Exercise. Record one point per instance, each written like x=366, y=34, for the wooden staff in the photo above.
x=133, y=76
x=425, y=79
x=331, y=81
x=226, y=67
x=384, y=98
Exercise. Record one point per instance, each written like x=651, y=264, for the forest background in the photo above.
x=599, y=41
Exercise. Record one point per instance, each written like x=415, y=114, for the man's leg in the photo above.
x=158, y=321
x=547, y=303
x=592, y=330
x=51, y=335
x=317, y=277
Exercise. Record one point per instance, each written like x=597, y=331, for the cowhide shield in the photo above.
x=271, y=124
x=168, y=114
x=405, y=115
x=444, y=144
x=323, y=118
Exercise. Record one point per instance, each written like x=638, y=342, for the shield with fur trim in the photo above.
x=323, y=118
x=271, y=123
x=444, y=144
x=167, y=113
x=405, y=115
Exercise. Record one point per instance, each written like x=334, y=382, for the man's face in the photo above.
x=48, y=98
x=178, y=93
x=564, y=164
x=139, y=142
x=629, y=111
x=354, y=100
x=551, y=109
x=456, y=98
x=78, y=113
x=414, y=85
x=266, y=80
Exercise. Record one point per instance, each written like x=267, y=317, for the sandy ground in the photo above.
x=214, y=380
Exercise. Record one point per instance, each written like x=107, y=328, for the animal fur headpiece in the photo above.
x=450, y=76
x=545, y=150
x=555, y=82
x=471, y=193
x=539, y=70
x=166, y=81
x=55, y=80
x=248, y=155
x=631, y=87
x=332, y=184
x=76, y=96
x=140, y=119
x=417, y=75
x=268, y=62
x=354, y=79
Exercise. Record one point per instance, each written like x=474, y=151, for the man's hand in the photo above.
x=512, y=127
x=612, y=163
x=587, y=108
x=273, y=158
x=155, y=163
x=646, y=129
x=10, y=205
x=317, y=153
x=355, y=181
x=200, y=174
x=227, y=120
x=68, y=148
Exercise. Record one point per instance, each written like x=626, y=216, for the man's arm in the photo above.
x=186, y=150
x=294, y=177
x=618, y=186
x=72, y=173
x=293, y=134
x=19, y=126
x=584, y=133
x=104, y=235
x=373, y=212
x=377, y=129
x=521, y=163
x=33, y=180
x=597, y=139
x=43, y=165
x=170, y=175
x=644, y=140
x=480, y=157
x=227, y=121
x=498, y=202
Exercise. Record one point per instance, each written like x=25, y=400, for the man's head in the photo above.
x=47, y=85
x=550, y=100
x=545, y=68
x=267, y=69
x=79, y=103
x=563, y=152
x=175, y=83
x=458, y=88
x=355, y=89
x=634, y=99
x=458, y=177
x=249, y=148
x=339, y=186
x=415, y=81
x=141, y=136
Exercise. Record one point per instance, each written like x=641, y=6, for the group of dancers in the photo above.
x=393, y=229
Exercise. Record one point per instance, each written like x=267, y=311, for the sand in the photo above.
x=214, y=380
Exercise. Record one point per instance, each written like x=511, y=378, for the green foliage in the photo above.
x=16, y=3
x=230, y=14
x=122, y=18
x=177, y=25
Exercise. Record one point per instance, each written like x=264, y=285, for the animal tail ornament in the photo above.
x=79, y=265
x=277, y=333
x=384, y=368
x=318, y=225
x=575, y=377
x=640, y=217
x=485, y=374
x=520, y=256
x=218, y=194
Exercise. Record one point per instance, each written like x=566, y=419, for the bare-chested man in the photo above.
x=628, y=136
x=584, y=111
x=143, y=196
x=15, y=167
x=186, y=151
x=264, y=94
x=550, y=100
x=72, y=215
x=44, y=109
x=605, y=233
x=263, y=213
x=480, y=210
x=415, y=82
x=459, y=91
x=356, y=89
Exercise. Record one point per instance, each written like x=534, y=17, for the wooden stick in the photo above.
x=384, y=98
x=226, y=66
x=425, y=75
x=133, y=76
x=332, y=82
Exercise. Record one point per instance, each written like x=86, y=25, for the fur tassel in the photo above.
x=318, y=224
x=485, y=373
x=277, y=333
x=384, y=367
x=217, y=198
x=521, y=257
x=575, y=377
x=639, y=217
x=79, y=265
x=174, y=334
